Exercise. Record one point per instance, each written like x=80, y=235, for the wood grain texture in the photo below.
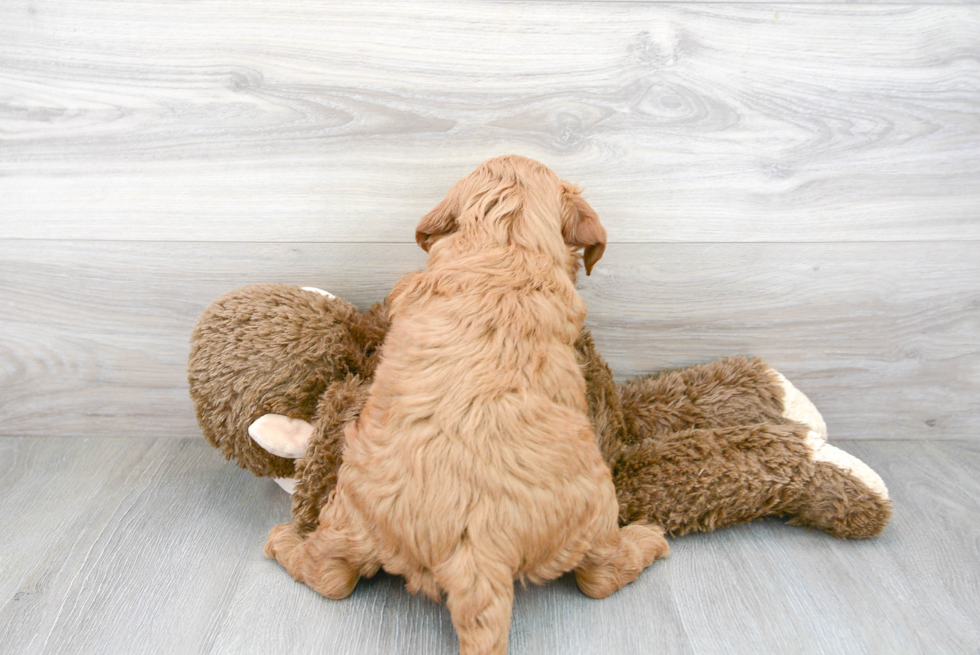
x=245, y=121
x=162, y=553
x=882, y=337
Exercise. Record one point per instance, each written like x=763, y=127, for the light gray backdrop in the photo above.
x=798, y=181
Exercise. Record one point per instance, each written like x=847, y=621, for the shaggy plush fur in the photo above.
x=309, y=342
x=473, y=462
x=708, y=447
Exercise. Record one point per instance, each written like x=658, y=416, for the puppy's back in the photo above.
x=481, y=405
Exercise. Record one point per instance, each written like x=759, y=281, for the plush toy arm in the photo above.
x=316, y=471
x=724, y=393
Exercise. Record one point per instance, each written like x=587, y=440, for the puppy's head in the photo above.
x=517, y=200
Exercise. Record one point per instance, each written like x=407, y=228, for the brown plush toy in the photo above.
x=276, y=372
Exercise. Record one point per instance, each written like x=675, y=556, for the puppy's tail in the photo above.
x=480, y=597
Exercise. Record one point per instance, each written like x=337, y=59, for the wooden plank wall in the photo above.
x=799, y=181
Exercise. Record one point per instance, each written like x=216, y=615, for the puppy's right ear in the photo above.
x=440, y=221
x=582, y=228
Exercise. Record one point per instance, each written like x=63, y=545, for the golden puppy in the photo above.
x=473, y=462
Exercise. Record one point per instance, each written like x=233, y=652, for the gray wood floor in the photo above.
x=154, y=545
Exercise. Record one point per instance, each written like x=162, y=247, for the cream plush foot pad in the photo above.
x=821, y=451
x=798, y=407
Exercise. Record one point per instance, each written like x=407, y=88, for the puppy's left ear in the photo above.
x=581, y=227
x=440, y=221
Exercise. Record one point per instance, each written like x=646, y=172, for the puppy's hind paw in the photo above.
x=281, y=541
x=639, y=545
x=649, y=540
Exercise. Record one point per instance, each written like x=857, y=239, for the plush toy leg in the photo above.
x=797, y=407
x=821, y=451
x=317, y=470
x=843, y=496
x=724, y=393
x=330, y=560
x=705, y=479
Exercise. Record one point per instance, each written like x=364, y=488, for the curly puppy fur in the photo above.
x=473, y=462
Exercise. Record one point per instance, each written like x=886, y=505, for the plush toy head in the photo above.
x=274, y=349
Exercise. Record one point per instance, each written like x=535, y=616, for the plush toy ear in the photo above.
x=582, y=228
x=280, y=435
x=440, y=221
